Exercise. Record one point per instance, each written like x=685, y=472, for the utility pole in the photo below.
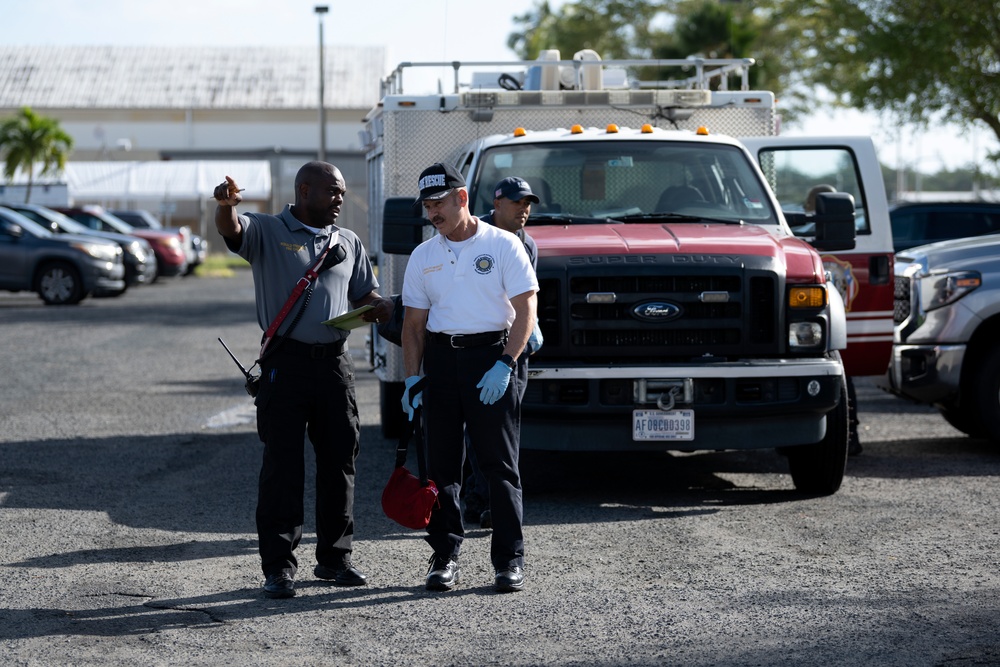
x=320, y=11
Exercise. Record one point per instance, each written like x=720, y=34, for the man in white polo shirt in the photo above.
x=470, y=299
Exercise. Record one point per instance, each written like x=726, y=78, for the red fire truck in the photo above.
x=688, y=299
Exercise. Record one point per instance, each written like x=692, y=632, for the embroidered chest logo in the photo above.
x=484, y=264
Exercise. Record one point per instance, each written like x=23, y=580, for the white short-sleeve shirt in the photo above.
x=470, y=293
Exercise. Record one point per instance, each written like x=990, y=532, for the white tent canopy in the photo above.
x=166, y=180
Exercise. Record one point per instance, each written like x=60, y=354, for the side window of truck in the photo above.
x=794, y=173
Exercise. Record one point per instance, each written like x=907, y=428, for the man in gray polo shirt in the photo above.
x=307, y=376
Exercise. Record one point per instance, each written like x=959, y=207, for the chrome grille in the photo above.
x=745, y=323
x=901, y=306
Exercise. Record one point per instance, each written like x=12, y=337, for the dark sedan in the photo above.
x=171, y=260
x=920, y=223
x=194, y=245
x=138, y=255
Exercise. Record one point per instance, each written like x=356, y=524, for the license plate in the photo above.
x=661, y=425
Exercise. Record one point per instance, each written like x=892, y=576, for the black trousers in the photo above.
x=300, y=395
x=451, y=408
x=475, y=491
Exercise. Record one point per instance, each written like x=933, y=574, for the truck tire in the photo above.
x=964, y=420
x=986, y=393
x=819, y=469
x=59, y=284
x=390, y=395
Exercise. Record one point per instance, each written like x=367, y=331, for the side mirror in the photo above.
x=13, y=229
x=834, y=222
x=402, y=225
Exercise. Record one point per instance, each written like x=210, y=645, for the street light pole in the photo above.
x=320, y=11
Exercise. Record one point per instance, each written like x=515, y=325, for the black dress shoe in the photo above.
x=442, y=574
x=344, y=576
x=279, y=585
x=509, y=580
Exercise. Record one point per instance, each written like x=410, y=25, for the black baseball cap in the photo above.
x=438, y=180
x=515, y=189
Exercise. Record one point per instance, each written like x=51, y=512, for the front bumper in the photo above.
x=105, y=277
x=737, y=405
x=928, y=374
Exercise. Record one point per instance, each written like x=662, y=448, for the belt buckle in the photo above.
x=451, y=341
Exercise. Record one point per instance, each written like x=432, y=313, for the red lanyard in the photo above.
x=304, y=282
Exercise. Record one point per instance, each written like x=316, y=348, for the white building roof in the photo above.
x=130, y=77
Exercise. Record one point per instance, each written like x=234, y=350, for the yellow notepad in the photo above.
x=351, y=319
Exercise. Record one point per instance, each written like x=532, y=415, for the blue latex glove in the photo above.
x=409, y=405
x=494, y=383
x=535, y=340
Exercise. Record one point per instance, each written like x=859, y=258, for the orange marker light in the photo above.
x=807, y=297
x=519, y=132
x=702, y=131
x=576, y=129
x=612, y=129
x=647, y=128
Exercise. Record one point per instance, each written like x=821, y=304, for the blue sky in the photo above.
x=412, y=30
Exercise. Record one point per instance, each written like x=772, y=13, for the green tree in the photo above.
x=613, y=28
x=28, y=139
x=668, y=29
x=923, y=60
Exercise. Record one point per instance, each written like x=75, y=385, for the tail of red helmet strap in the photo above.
x=300, y=286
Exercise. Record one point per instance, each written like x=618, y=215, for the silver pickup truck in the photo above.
x=946, y=345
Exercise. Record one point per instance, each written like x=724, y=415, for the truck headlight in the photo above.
x=940, y=289
x=803, y=335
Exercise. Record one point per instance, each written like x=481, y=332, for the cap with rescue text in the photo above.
x=438, y=180
x=515, y=189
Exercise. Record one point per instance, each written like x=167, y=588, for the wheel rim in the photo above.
x=57, y=285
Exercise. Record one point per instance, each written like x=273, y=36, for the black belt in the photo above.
x=467, y=340
x=311, y=350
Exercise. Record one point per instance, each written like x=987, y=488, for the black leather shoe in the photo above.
x=279, y=585
x=344, y=576
x=509, y=580
x=486, y=520
x=442, y=574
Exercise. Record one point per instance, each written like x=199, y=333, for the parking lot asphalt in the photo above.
x=128, y=463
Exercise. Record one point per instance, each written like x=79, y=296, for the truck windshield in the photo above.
x=628, y=182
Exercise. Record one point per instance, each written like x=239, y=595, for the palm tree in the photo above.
x=29, y=138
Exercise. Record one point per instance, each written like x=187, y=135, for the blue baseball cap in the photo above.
x=515, y=189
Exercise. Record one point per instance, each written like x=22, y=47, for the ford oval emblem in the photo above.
x=656, y=311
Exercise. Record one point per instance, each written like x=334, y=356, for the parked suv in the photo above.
x=171, y=260
x=140, y=261
x=62, y=268
x=915, y=224
x=946, y=349
x=194, y=246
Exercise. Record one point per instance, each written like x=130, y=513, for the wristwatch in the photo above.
x=509, y=360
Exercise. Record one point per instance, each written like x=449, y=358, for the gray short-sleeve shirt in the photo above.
x=280, y=250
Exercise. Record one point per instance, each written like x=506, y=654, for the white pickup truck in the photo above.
x=946, y=349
